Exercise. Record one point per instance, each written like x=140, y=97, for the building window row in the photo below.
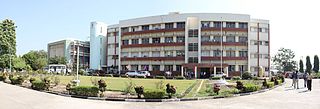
x=193, y=46
x=154, y=54
x=145, y=67
x=262, y=30
x=229, y=53
x=153, y=27
x=228, y=39
x=255, y=42
x=193, y=33
x=217, y=24
x=154, y=40
x=261, y=56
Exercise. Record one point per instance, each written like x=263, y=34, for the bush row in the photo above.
x=85, y=91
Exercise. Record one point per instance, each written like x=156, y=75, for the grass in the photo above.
x=119, y=84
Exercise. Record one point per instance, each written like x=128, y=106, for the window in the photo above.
x=156, y=26
x=193, y=33
x=243, y=39
x=156, y=67
x=135, y=28
x=168, y=67
x=231, y=68
x=260, y=29
x=243, y=68
x=168, y=39
x=205, y=53
x=266, y=43
x=180, y=39
x=254, y=29
x=217, y=39
x=178, y=67
x=205, y=38
x=134, y=67
x=134, y=54
x=231, y=25
x=216, y=52
x=125, y=42
x=205, y=24
x=124, y=54
x=145, y=40
x=156, y=54
x=145, y=27
x=231, y=54
x=243, y=53
x=193, y=47
x=145, y=54
x=155, y=40
x=193, y=60
x=254, y=42
x=124, y=67
x=180, y=53
x=217, y=24
x=180, y=24
x=145, y=67
x=231, y=39
x=243, y=25
x=134, y=41
x=168, y=25
x=168, y=53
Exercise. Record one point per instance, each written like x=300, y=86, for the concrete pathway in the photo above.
x=284, y=97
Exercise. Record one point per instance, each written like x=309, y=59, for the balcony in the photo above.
x=153, y=31
x=223, y=58
x=178, y=58
x=224, y=29
x=153, y=45
x=225, y=43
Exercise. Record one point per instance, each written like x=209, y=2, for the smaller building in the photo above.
x=68, y=48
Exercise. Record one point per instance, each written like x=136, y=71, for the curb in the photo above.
x=159, y=100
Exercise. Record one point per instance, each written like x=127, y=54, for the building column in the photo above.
x=195, y=72
x=226, y=71
x=182, y=69
x=214, y=71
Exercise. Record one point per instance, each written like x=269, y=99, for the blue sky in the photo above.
x=43, y=21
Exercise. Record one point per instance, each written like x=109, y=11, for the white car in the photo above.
x=138, y=73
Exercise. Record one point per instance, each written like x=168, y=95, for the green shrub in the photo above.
x=139, y=90
x=102, y=85
x=141, y=76
x=39, y=85
x=160, y=77
x=129, y=87
x=156, y=94
x=255, y=78
x=228, y=92
x=270, y=84
x=180, y=77
x=246, y=75
x=171, y=90
x=251, y=87
x=239, y=85
x=236, y=78
x=124, y=76
x=56, y=80
x=109, y=75
x=85, y=91
x=215, y=78
x=14, y=80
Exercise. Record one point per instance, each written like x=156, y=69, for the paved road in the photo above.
x=284, y=97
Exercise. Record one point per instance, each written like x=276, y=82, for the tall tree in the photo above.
x=57, y=60
x=316, y=64
x=34, y=58
x=7, y=37
x=301, y=66
x=308, y=65
x=19, y=63
x=284, y=60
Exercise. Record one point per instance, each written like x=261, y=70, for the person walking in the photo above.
x=305, y=78
x=309, y=82
x=297, y=79
x=292, y=78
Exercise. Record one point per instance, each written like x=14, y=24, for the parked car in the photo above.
x=138, y=73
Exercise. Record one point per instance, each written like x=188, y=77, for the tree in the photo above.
x=4, y=61
x=284, y=59
x=316, y=63
x=34, y=58
x=301, y=66
x=308, y=65
x=19, y=64
x=57, y=60
x=7, y=37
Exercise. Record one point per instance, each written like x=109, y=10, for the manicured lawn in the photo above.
x=119, y=84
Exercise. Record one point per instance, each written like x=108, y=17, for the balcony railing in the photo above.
x=153, y=45
x=153, y=31
x=181, y=58
x=223, y=58
x=224, y=29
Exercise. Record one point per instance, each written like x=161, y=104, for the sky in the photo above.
x=294, y=24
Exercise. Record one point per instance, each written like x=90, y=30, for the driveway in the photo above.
x=283, y=97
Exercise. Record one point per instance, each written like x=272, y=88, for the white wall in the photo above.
x=98, y=31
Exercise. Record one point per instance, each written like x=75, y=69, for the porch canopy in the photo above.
x=197, y=66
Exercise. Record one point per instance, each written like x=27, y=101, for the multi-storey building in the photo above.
x=214, y=43
x=68, y=48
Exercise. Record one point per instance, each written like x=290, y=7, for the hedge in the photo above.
x=160, y=77
x=251, y=87
x=38, y=85
x=109, y=75
x=180, y=77
x=85, y=91
x=270, y=84
x=215, y=78
x=236, y=78
x=156, y=94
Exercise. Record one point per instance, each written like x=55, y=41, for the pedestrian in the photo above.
x=293, y=79
x=305, y=78
x=291, y=76
x=297, y=79
x=309, y=82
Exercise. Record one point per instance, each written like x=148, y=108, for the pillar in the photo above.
x=227, y=71
x=214, y=71
x=195, y=71
x=182, y=69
